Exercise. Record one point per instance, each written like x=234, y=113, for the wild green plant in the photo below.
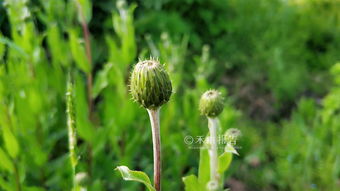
x=212, y=164
x=40, y=40
x=311, y=142
x=151, y=87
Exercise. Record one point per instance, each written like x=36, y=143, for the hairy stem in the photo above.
x=72, y=139
x=213, y=124
x=156, y=139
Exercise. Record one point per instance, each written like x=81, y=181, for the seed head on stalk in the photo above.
x=150, y=84
x=211, y=103
x=151, y=87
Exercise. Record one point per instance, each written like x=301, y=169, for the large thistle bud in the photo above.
x=211, y=103
x=150, y=84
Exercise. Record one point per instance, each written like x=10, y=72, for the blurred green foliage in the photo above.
x=272, y=56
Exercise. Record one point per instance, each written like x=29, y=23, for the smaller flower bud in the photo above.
x=232, y=134
x=150, y=84
x=82, y=179
x=211, y=103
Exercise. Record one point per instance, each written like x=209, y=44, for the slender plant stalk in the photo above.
x=151, y=87
x=156, y=139
x=213, y=124
x=89, y=77
x=72, y=139
x=17, y=176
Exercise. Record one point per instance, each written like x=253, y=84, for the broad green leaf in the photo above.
x=5, y=162
x=138, y=176
x=224, y=161
x=191, y=183
x=11, y=143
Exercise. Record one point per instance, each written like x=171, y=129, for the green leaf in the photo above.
x=78, y=52
x=12, y=45
x=5, y=162
x=84, y=127
x=57, y=46
x=101, y=80
x=2, y=49
x=34, y=188
x=138, y=176
x=85, y=10
x=224, y=161
x=124, y=28
x=230, y=149
x=4, y=184
x=204, y=167
x=191, y=183
x=11, y=143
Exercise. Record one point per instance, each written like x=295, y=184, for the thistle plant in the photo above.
x=151, y=87
x=211, y=105
x=212, y=165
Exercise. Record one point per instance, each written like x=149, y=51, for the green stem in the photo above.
x=213, y=124
x=89, y=77
x=156, y=139
x=72, y=139
x=17, y=176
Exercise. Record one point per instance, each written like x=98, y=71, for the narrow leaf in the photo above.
x=78, y=52
x=5, y=162
x=11, y=142
x=191, y=183
x=204, y=167
x=224, y=161
x=230, y=149
x=101, y=80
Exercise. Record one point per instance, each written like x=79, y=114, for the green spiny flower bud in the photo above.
x=211, y=103
x=150, y=84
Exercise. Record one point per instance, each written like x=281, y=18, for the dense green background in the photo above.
x=274, y=60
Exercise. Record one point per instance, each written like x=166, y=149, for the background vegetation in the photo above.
x=274, y=59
